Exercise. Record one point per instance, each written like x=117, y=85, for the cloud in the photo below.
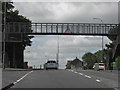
x=69, y=48
x=66, y=0
x=69, y=12
x=45, y=47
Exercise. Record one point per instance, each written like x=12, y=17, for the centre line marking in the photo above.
x=97, y=80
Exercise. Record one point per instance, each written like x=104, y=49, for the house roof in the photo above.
x=76, y=61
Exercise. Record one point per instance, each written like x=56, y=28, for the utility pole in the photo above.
x=47, y=58
x=4, y=35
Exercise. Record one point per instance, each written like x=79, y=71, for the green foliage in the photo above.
x=90, y=59
x=99, y=54
x=14, y=16
x=1, y=12
x=68, y=67
x=118, y=62
x=25, y=40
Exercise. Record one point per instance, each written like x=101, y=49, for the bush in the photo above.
x=68, y=67
x=118, y=62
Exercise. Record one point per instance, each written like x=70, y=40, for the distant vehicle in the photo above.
x=99, y=66
x=51, y=65
x=30, y=67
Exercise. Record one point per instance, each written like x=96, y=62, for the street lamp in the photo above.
x=102, y=36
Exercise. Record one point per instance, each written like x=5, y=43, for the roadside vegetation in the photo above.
x=118, y=62
x=22, y=40
x=90, y=58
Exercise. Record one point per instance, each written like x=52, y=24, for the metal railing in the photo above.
x=61, y=28
x=15, y=30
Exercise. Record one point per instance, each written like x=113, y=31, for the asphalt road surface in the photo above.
x=10, y=76
x=58, y=79
x=107, y=77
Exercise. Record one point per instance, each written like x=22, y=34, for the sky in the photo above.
x=45, y=47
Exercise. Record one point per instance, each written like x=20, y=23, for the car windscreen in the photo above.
x=51, y=62
x=101, y=64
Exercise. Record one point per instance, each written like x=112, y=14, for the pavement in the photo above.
x=15, y=69
x=0, y=78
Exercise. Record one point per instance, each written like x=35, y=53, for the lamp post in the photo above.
x=58, y=51
x=47, y=58
x=78, y=52
x=102, y=36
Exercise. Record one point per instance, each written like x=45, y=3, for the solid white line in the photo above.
x=22, y=77
x=97, y=80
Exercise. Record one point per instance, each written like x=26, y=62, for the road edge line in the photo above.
x=12, y=84
x=8, y=86
x=22, y=77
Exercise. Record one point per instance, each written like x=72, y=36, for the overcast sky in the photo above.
x=45, y=47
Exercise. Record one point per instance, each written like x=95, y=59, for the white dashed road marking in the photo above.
x=97, y=80
x=80, y=73
x=87, y=76
x=75, y=72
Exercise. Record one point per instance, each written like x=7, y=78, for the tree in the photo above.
x=15, y=50
x=118, y=62
x=89, y=59
x=101, y=54
x=13, y=16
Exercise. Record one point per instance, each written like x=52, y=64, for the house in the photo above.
x=68, y=65
x=75, y=64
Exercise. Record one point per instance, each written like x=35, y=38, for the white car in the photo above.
x=51, y=65
x=99, y=66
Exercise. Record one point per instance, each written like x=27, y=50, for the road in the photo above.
x=59, y=79
x=9, y=76
x=107, y=77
